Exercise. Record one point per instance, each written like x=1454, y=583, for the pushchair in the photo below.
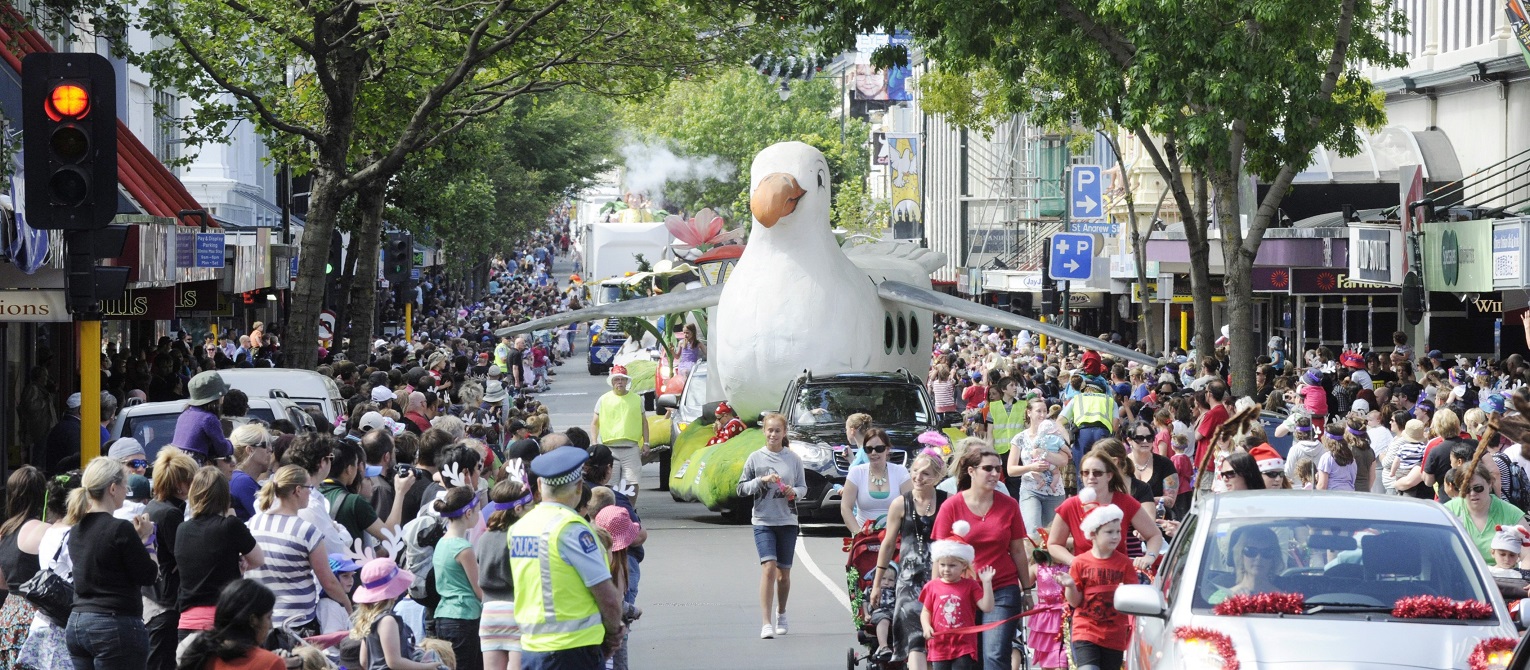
x=860, y=573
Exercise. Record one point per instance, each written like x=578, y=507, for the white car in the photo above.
x=1351, y=557
x=153, y=423
x=307, y=388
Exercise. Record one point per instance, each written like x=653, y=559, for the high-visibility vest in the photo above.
x=1093, y=408
x=1006, y=423
x=553, y=607
x=621, y=417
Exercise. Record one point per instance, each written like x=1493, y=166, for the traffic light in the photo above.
x=1048, y=299
x=335, y=266
x=398, y=258
x=85, y=283
x=69, y=129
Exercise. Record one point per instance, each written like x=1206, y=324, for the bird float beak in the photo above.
x=775, y=198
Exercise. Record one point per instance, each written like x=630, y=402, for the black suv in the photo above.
x=816, y=408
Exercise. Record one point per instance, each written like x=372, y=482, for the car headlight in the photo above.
x=815, y=455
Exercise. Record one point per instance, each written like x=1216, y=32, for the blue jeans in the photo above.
x=997, y=642
x=578, y=658
x=1087, y=436
x=776, y=543
x=107, y=642
x=463, y=634
x=1037, y=509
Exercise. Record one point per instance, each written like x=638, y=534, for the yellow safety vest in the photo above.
x=1093, y=408
x=553, y=607
x=621, y=417
x=1006, y=424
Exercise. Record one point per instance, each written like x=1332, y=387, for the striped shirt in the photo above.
x=287, y=542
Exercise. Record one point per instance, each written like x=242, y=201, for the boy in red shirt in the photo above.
x=1100, y=632
x=952, y=600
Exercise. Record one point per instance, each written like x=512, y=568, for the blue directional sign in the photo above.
x=1085, y=195
x=1071, y=256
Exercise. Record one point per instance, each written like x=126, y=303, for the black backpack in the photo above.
x=1518, y=492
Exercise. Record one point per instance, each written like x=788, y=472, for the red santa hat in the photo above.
x=1099, y=517
x=955, y=545
x=1268, y=459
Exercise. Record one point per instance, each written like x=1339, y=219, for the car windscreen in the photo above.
x=157, y=430
x=888, y=404
x=694, y=398
x=1343, y=564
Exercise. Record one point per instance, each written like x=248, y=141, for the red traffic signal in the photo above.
x=69, y=100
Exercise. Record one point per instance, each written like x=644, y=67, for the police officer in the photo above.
x=1093, y=413
x=566, y=603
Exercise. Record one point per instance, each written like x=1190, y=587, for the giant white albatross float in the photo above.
x=798, y=301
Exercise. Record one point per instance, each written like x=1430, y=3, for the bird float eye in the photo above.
x=820, y=179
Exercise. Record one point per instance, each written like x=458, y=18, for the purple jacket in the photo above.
x=198, y=431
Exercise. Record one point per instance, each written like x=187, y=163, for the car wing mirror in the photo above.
x=1141, y=600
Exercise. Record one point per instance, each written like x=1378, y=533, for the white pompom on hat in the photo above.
x=955, y=545
x=1099, y=517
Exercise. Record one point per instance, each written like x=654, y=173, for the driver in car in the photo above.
x=1257, y=560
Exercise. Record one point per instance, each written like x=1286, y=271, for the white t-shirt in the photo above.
x=337, y=540
x=868, y=508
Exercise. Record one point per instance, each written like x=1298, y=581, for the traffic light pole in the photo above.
x=89, y=328
x=408, y=318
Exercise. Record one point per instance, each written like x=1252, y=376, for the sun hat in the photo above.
x=382, y=579
x=382, y=394
x=1510, y=538
x=1268, y=459
x=618, y=371
x=206, y=387
x=1415, y=431
x=494, y=391
x=1360, y=405
x=125, y=449
x=955, y=545
x=615, y=520
x=73, y=401
x=1099, y=517
x=339, y=563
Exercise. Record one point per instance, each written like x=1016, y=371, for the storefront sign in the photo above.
x=1458, y=256
x=1320, y=281
x=199, y=296
x=1508, y=252
x=45, y=306
x=1271, y=280
x=150, y=304
x=1376, y=254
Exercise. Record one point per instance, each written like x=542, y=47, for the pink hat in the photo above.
x=615, y=520
x=382, y=579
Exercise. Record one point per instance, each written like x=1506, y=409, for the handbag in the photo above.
x=50, y=593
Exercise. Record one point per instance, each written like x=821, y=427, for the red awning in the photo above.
x=147, y=181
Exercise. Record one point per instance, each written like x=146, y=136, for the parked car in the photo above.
x=816, y=409
x=153, y=423
x=309, y=389
x=1351, y=556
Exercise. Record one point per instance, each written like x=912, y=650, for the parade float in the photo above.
x=797, y=300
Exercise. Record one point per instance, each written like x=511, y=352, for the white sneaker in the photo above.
x=767, y=632
x=781, y=623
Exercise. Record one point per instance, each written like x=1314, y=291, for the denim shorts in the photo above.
x=776, y=543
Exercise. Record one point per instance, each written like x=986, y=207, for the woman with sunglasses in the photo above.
x=871, y=486
x=1101, y=483
x=1479, y=510
x=997, y=536
x=1156, y=471
x=1256, y=558
x=1240, y=472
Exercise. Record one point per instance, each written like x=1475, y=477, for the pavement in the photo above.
x=699, y=589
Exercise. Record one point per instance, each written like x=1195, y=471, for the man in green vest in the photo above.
x=620, y=424
x=1007, y=415
x=1093, y=413
x=566, y=603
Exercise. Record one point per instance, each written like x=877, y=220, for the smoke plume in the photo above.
x=650, y=166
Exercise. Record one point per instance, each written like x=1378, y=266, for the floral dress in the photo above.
x=44, y=648
x=1045, y=626
x=914, y=533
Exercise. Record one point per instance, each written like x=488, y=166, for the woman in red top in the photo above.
x=1101, y=484
x=997, y=536
x=240, y=627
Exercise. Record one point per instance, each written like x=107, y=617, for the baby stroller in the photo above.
x=860, y=573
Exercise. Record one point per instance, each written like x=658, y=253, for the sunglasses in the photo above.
x=138, y=463
x=1477, y=488
x=1272, y=475
x=990, y=468
x=1093, y=473
x=876, y=448
x=1142, y=438
x=1228, y=475
x=1270, y=553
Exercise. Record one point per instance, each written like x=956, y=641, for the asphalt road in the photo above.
x=699, y=589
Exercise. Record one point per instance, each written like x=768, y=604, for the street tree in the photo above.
x=1215, y=88
x=349, y=90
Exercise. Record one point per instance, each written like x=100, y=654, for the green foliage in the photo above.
x=856, y=211
x=736, y=114
x=496, y=179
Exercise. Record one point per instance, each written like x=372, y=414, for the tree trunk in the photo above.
x=368, y=239
x=1200, y=270
x=1139, y=247
x=302, y=349
x=1237, y=276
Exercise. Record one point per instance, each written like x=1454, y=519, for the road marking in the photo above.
x=812, y=568
x=557, y=395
